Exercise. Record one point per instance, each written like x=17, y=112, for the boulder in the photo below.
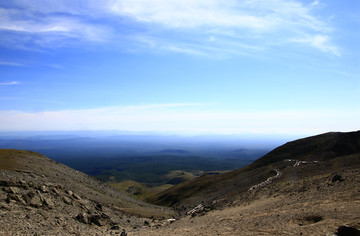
x=345, y=230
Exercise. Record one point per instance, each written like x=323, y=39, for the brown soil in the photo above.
x=310, y=206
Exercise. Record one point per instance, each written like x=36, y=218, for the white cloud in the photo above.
x=183, y=117
x=182, y=26
x=189, y=14
x=241, y=24
x=9, y=83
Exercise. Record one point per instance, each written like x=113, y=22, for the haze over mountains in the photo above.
x=304, y=187
x=144, y=157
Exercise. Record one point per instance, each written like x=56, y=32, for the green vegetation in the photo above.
x=154, y=170
x=138, y=190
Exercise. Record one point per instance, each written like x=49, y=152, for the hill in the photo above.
x=305, y=187
x=39, y=196
x=320, y=148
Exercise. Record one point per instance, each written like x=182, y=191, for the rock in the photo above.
x=67, y=200
x=115, y=227
x=35, y=202
x=337, y=178
x=345, y=230
x=76, y=196
x=96, y=219
x=98, y=206
x=12, y=190
x=123, y=233
x=48, y=202
x=69, y=192
x=146, y=223
x=171, y=220
x=54, y=189
x=83, y=218
x=104, y=216
x=43, y=189
x=15, y=197
x=23, y=184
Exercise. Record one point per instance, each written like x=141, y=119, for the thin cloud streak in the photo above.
x=182, y=117
x=8, y=63
x=9, y=83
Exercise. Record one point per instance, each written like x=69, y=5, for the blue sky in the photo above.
x=266, y=66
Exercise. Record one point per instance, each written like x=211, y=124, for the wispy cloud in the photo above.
x=50, y=30
x=9, y=83
x=243, y=24
x=183, y=117
x=197, y=27
x=9, y=63
x=320, y=42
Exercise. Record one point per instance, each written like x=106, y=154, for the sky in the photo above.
x=206, y=66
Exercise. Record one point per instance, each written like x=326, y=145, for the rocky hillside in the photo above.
x=318, y=149
x=305, y=187
x=39, y=196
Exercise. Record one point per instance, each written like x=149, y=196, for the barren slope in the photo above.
x=207, y=188
x=309, y=199
x=38, y=195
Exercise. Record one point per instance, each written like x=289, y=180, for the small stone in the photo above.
x=69, y=192
x=23, y=184
x=337, y=178
x=15, y=197
x=36, y=202
x=123, y=233
x=95, y=219
x=98, y=206
x=76, y=196
x=43, y=189
x=13, y=190
x=67, y=200
x=48, y=202
x=115, y=227
x=54, y=189
x=83, y=217
x=104, y=216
